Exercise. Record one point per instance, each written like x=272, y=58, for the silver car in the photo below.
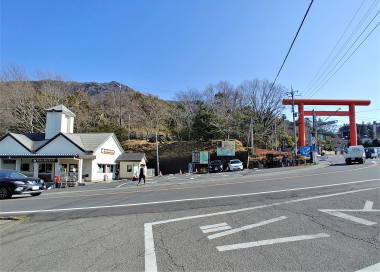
x=235, y=165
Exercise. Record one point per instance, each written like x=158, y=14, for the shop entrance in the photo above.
x=46, y=171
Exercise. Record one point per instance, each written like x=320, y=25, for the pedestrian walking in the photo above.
x=142, y=173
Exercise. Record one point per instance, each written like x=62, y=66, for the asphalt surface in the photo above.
x=320, y=218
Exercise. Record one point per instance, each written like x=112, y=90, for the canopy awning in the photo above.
x=77, y=156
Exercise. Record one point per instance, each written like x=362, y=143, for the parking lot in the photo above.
x=281, y=236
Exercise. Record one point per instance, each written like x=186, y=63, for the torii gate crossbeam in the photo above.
x=330, y=102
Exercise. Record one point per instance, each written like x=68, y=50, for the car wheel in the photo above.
x=35, y=194
x=5, y=193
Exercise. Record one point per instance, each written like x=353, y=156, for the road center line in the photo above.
x=179, y=188
x=272, y=241
x=181, y=200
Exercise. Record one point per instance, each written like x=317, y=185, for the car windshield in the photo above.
x=235, y=161
x=11, y=174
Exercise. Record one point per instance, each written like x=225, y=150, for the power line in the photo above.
x=353, y=52
x=291, y=46
x=328, y=69
x=318, y=74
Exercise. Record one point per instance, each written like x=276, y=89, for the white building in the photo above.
x=60, y=152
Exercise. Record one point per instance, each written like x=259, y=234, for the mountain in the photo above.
x=91, y=88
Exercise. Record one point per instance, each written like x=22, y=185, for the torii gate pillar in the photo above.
x=331, y=102
x=353, y=131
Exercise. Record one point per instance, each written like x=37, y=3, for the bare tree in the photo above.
x=264, y=103
x=188, y=102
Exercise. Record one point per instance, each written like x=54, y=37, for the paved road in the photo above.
x=316, y=219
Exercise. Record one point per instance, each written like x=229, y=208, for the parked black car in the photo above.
x=215, y=166
x=13, y=182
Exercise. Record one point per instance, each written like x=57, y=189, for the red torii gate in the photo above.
x=330, y=102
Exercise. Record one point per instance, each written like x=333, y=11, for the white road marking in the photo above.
x=213, y=226
x=350, y=217
x=368, y=205
x=150, y=247
x=272, y=241
x=150, y=253
x=247, y=227
x=339, y=213
x=216, y=229
x=184, y=200
x=372, y=268
x=121, y=185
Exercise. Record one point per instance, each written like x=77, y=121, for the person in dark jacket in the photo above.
x=142, y=173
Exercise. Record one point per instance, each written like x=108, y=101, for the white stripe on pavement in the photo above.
x=216, y=229
x=121, y=185
x=372, y=268
x=228, y=232
x=368, y=205
x=272, y=241
x=150, y=253
x=186, y=199
x=350, y=217
x=213, y=226
x=150, y=247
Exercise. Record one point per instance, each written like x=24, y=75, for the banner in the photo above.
x=225, y=148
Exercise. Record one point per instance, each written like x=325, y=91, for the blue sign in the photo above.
x=305, y=150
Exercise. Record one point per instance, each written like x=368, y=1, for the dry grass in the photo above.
x=173, y=148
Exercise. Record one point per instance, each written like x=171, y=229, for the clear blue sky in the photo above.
x=166, y=46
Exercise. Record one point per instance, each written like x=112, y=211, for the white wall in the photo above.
x=57, y=122
x=70, y=124
x=53, y=124
x=60, y=145
x=105, y=159
x=9, y=146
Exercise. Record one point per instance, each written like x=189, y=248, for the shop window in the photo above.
x=25, y=167
x=9, y=164
x=100, y=168
x=49, y=168
x=111, y=168
x=41, y=168
x=45, y=168
x=73, y=168
x=129, y=168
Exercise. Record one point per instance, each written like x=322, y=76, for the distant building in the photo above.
x=130, y=164
x=60, y=151
x=376, y=130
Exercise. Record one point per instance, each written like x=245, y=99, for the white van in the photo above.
x=355, y=153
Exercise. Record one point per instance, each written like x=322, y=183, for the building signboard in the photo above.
x=201, y=157
x=45, y=160
x=225, y=148
x=107, y=151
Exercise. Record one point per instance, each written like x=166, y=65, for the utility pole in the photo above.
x=119, y=104
x=129, y=126
x=158, y=160
x=251, y=126
x=275, y=134
x=292, y=94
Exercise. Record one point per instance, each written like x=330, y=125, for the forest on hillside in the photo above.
x=220, y=111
